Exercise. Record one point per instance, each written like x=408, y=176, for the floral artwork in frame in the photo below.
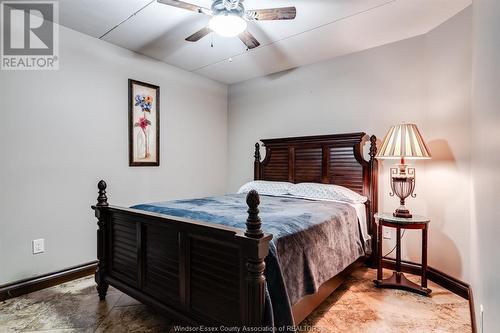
x=144, y=124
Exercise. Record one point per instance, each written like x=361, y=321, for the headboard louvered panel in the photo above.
x=278, y=165
x=307, y=164
x=344, y=169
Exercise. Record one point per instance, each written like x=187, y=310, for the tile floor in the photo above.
x=357, y=306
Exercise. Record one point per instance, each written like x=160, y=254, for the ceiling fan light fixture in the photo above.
x=227, y=25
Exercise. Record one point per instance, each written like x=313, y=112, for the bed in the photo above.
x=205, y=261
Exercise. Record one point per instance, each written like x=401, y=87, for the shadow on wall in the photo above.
x=443, y=198
x=441, y=177
x=441, y=151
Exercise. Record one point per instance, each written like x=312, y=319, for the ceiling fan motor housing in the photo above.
x=228, y=7
x=229, y=18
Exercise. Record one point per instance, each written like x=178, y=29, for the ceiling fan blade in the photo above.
x=199, y=34
x=249, y=40
x=185, y=5
x=284, y=13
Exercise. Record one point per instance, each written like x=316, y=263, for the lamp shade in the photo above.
x=404, y=140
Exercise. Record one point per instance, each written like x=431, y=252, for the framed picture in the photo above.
x=144, y=123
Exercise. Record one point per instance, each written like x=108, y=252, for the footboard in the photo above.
x=194, y=272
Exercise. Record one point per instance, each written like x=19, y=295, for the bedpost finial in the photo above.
x=257, y=151
x=373, y=146
x=253, y=221
x=102, y=199
x=253, y=199
x=102, y=185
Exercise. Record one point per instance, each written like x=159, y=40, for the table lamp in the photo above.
x=403, y=141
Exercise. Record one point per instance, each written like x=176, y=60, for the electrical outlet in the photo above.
x=387, y=233
x=38, y=246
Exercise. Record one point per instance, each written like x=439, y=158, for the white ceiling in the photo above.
x=323, y=29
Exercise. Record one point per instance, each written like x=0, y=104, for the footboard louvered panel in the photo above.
x=124, y=250
x=215, y=275
x=161, y=279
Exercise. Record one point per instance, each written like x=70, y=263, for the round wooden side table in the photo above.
x=398, y=280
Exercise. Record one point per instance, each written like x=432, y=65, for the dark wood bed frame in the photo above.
x=206, y=274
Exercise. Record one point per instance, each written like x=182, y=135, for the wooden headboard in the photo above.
x=329, y=159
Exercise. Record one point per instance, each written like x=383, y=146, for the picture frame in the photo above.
x=144, y=123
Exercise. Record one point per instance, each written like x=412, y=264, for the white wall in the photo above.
x=61, y=131
x=425, y=80
x=485, y=227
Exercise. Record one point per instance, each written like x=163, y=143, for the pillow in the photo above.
x=326, y=192
x=266, y=187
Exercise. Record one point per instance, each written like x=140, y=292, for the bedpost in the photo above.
x=373, y=197
x=255, y=263
x=256, y=163
x=101, y=214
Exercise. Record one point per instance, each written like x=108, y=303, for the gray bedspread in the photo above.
x=313, y=241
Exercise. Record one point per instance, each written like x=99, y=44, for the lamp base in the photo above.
x=404, y=213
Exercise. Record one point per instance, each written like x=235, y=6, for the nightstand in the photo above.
x=398, y=280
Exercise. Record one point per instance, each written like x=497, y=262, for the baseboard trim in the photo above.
x=446, y=281
x=29, y=285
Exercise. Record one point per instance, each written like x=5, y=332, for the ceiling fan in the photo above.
x=229, y=18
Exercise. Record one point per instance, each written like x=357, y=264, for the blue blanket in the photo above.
x=312, y=241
